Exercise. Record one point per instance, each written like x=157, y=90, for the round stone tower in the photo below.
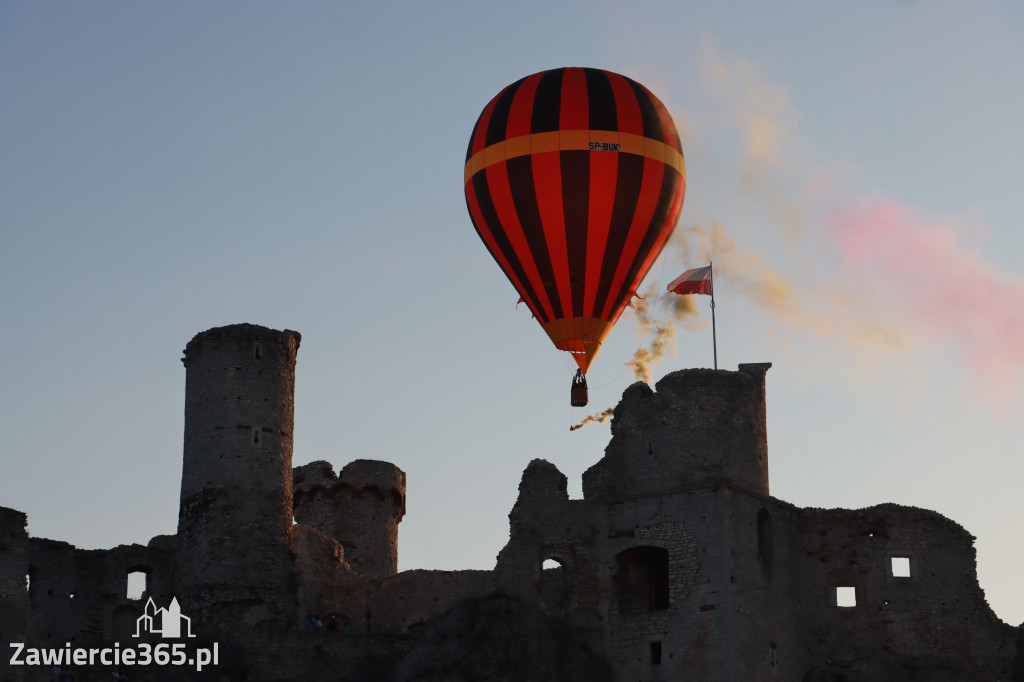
x=360, y=508
x=235, y=516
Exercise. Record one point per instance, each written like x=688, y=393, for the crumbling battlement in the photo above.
x=360, y=508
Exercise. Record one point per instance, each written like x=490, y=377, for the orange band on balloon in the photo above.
x=594, y=140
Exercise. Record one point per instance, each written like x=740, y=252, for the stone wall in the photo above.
x=290, y=656
x=52, y=593
x=319, y=561
x=933, y=622
x=748, y=598
x=398, y=603
x=699, y=427
x=82, y=595
x=16, y=618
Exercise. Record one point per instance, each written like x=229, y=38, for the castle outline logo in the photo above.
x=164, y=622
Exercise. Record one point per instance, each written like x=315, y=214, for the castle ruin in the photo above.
x=676, y=564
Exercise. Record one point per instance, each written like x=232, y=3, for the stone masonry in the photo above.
x=235, y=516
x=360, y=508
x=676, y=564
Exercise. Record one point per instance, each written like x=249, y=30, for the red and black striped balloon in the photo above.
x=574, y=180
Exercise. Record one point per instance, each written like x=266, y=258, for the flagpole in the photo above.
x=714, y=336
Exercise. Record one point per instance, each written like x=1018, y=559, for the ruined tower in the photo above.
x=702, y=427
x=361, y=508
x=235, y=517
x=673, y=537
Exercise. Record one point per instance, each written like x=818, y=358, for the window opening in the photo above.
x=900, y=567
x=136, y=584
x=553, y=589
x=655, y=653
x=846, y=597
x=642, y=579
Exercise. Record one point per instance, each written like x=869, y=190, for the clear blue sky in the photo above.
x=854, y=169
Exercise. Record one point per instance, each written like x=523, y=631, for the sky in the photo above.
x=853, y=169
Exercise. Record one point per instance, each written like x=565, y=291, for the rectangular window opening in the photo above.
x=900, y=567
x=846, y=597
x=136, y=585
x=655, y=653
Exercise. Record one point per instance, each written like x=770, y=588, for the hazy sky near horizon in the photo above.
x=853, y=170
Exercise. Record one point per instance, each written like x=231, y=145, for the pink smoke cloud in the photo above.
x=943, y=289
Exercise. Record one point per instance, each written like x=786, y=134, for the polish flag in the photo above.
x=696, y=281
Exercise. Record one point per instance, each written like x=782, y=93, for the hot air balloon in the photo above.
x=574, y=181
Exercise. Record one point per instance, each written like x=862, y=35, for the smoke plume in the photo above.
x=743, y=272
x=591, y=418
x=942, y=290
x=656, y=315
x=824, y=262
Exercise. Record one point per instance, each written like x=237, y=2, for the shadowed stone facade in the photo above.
x=676, y=564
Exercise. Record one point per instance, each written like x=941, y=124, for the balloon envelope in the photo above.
x=574, y=181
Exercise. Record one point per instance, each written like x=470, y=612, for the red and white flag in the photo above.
x=696, y=281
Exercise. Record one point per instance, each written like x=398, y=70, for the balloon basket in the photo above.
x=578, y=395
